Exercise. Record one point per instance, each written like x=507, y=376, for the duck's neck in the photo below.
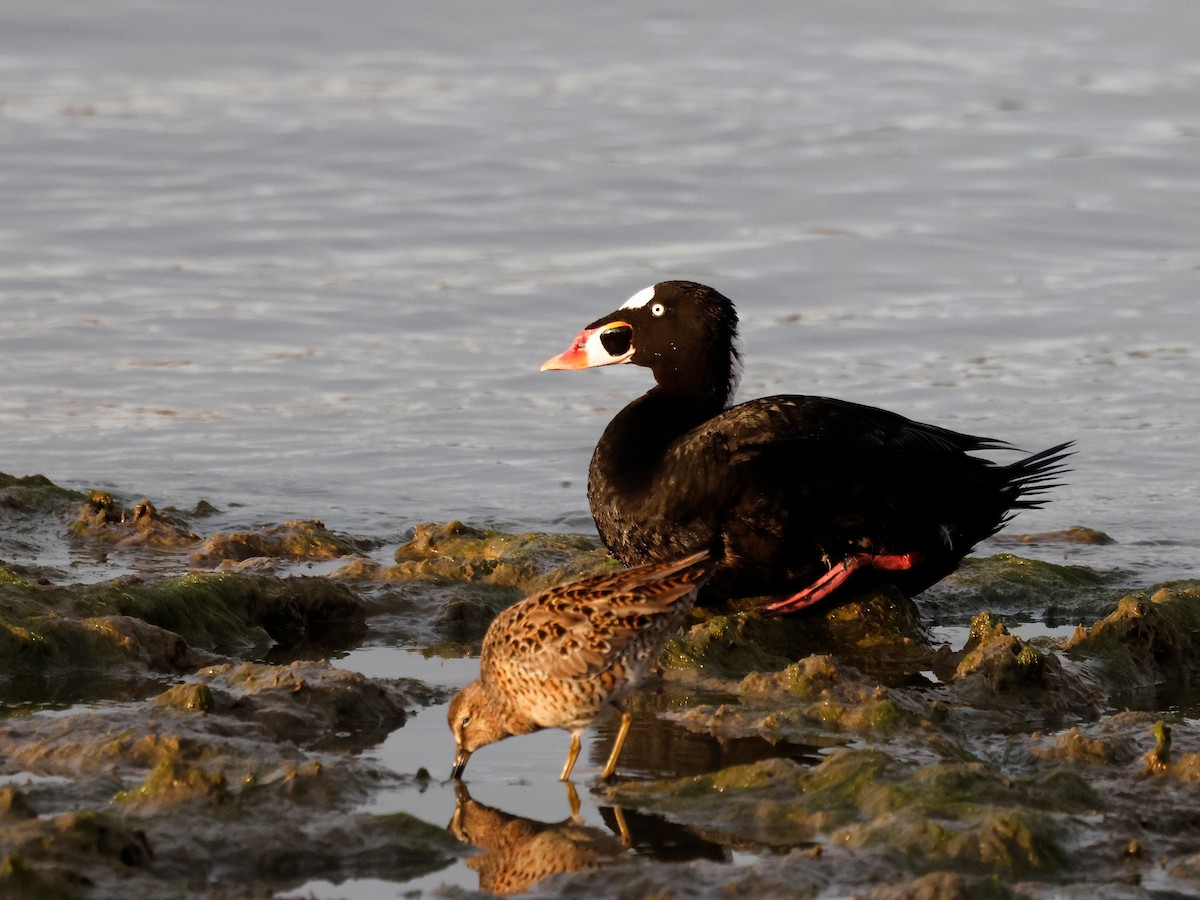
x=639, y=436
x=635, y=442
x=705, y=381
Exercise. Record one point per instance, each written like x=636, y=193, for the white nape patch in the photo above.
x=640, y=299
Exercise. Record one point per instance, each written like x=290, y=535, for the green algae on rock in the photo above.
x=104, y=520
x=1011, y=585
x=457, y=552
x=297, y=540
x=184, y=774
x=32, y=507
x=1150, y=638
x=1103, y=744
x=167, y=625
x=1076, y=534
x=936, y=817
x=232, y=611
x=449, y=581
x=35, y=494
x=1002, y=660
x=38, y=641
x=807, y=702
x=1011, y=670
x=876, y=630
x=1002, y=770
x=46, y=857
x=304, y=701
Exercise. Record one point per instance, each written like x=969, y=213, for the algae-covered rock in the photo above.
x=999, y=658
x=146, y=645
x=300, y=540
x=46, y=857
x=801, y=875
x=946, y=816
x=421, y=613
x=105, y=520
x=218, y=783
x=1148, y=639
x=1015, y=586
x=1164, y=761
x=173, y=781
x=945, y=886
x=233, y=611
x=227, y=725
x=813, y=697
x=763, y=803
x=1011, y=843
x=303, y=702
x=14, y=807
x=734, y=644
x=875, y=630
x=107, y=646
x=450, y=581
x=1077, y=534
x=836, y=749
x=1080, y=747
x=35, y=494
x=998, y=670
x=32, y=510
x=457, y=552
x=130, y=629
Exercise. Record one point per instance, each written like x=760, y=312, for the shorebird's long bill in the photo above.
x=460, y=763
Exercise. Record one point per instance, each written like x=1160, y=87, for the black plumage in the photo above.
x=792, y=494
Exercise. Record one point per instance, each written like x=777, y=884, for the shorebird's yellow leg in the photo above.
x=619, y=814
x=622, y=732
x=572, y=755
x=573, y=801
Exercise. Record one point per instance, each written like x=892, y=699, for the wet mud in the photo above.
x=176, y=729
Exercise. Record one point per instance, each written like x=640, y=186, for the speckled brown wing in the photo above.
x=577, y=630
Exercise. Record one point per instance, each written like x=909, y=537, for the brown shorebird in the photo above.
x=559, y=658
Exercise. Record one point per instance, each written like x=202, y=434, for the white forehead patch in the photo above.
x=640, y=299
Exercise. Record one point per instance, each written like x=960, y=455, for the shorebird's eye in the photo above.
x=657, y=310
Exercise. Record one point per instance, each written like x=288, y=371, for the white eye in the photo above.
x=657, y=310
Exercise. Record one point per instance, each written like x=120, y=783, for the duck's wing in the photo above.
x=793, y=423
x=798, y=445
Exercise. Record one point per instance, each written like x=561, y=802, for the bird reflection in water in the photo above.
x=520, y=852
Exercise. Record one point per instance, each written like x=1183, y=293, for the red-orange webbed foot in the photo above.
x=837, y=575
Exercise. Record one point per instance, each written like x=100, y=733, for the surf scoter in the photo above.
x=793, y=495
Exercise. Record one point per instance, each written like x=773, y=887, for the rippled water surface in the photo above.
x=304, y=259
x=308, y=260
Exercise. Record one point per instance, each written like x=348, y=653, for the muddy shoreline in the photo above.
x=177, y=730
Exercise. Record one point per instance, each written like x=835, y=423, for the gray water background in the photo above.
x=304, y=259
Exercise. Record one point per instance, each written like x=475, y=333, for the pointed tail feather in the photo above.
x=1031, y=478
